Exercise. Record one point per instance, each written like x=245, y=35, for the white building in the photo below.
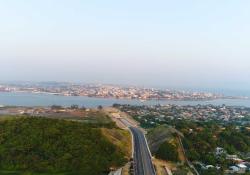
x=219, y=151
x=234, y=169
x=242, y=168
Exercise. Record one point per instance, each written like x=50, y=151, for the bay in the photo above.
x=32, y=99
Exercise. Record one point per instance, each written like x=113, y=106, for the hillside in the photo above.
x=159, y=135
x=51, y=146
x=164, y=144
x=120, y=138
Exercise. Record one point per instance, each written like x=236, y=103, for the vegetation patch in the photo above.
x=159, y=135
x=168, y=151
x=51, y=146
x=120, y=138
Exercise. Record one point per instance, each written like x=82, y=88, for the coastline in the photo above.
x=48, y=99
x=128, y=98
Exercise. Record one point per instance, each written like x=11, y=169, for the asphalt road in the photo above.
x=142, y=158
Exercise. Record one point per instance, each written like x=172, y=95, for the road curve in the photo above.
x=142, y=158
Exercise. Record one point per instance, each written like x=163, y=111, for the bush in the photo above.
x=167, y=151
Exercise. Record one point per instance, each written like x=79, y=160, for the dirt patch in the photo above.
x=160, y=166
x=125, y=169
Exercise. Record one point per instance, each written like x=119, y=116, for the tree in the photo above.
x=167, y=151
x=83, y=108
x=74, y=107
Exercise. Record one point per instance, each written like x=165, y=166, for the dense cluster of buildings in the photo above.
x=108, y=91
x=160, y=113
x=238, y=165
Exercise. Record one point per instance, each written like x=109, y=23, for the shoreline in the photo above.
x=142, y=100
x=46, y=100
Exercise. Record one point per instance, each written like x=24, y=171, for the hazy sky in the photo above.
x=171, y=43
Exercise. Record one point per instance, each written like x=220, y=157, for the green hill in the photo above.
x=160, y=135
x=32, y=145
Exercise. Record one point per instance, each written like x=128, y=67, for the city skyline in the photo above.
x=161, y=44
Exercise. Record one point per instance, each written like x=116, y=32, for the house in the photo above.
x=219, y=151
x=209, y=166
x=234, y=169
x=242, y=168
x=239, y=168
x=248, y=165
x=238, y=160
x=232, y=157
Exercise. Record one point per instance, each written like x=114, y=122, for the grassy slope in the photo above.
x=53, y=146
x=120, y=138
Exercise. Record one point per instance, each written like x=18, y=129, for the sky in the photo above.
x=160, y=43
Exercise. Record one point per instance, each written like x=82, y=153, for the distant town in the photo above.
x=110, y=91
